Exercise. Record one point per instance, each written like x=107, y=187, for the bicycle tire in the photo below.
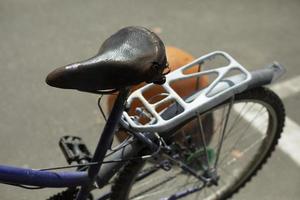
x=122, y=187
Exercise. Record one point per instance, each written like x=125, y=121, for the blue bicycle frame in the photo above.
x=16, y=175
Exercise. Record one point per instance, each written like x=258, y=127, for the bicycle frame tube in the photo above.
x=109, y=169
x=22, y=176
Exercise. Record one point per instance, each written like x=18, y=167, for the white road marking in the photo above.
x=287, y=88
x=290, y=139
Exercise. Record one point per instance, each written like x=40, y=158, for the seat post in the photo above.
x=105, y=141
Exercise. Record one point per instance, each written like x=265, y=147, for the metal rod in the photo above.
x=198, y=78
x=223, y=132
x=203, y=139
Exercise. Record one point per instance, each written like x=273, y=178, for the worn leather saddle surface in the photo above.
x=130, y=56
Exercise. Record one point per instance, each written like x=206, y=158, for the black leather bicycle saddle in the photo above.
x=130, y=56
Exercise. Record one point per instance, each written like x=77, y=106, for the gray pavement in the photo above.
x=38, y=35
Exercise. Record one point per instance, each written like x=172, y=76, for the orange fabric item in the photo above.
x=176, y=58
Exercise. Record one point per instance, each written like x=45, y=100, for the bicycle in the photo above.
x=206, y=144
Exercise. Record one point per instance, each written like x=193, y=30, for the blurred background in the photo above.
x=37, y=36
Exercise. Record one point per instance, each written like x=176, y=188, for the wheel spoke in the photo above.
x=221, y=139
x=243, y=133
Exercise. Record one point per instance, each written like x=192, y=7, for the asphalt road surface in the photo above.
x=38, y=35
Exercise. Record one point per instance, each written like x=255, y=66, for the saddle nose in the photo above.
x=62, y=77
x=54, y=79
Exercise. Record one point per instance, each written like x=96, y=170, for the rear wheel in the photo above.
x=253, y=128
